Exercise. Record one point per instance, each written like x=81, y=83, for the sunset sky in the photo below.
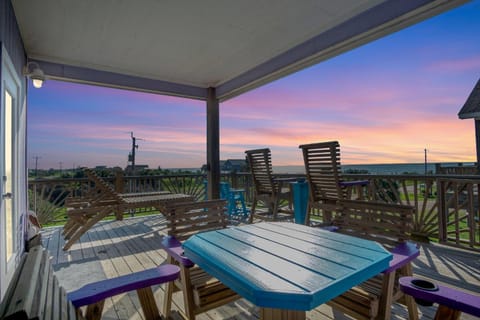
x=385, y=102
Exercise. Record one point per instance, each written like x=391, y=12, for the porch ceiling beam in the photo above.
x=83, y=75
x=386, y=18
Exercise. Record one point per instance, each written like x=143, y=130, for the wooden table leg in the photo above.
x=446, y=313
x=281, y=314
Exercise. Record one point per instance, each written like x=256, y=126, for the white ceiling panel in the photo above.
x=207, y=43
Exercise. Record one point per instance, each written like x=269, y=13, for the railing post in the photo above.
x=234, y=179
x=119, y=182
x=442, y=210
x=119, y=185
x=471, y=215
x=35, y=198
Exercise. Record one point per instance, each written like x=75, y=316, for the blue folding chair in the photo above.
x=235, y=199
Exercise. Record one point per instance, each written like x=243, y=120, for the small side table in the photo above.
x=300, y=200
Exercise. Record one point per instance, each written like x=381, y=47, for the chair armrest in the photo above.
x=354, y=183
x=97, y=291
x=174, y=249
x=449, y=297
x=330, y=228
x=402, y=254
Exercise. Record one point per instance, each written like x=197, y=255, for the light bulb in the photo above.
x=37, y=83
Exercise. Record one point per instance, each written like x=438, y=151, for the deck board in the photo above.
x=113, y=248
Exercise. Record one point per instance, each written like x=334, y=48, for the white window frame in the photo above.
x=10, y=82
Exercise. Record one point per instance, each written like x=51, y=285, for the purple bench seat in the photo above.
x=97, y=291
x=452, y=301
x=35, y=292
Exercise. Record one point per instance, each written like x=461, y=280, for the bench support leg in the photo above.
x=149, y=306
x=189, y=305
x=168, y=295
x=445, y=313
x=407, y=270
x=94, y=310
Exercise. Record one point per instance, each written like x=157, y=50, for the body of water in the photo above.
x=393, y=168
x=389, y=168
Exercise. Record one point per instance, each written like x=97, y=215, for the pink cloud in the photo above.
x=455, y=65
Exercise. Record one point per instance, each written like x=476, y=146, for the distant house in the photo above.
x=230, y=165
x=234, y=165
x=138, y=168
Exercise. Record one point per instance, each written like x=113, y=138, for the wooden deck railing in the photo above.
x=447, y=206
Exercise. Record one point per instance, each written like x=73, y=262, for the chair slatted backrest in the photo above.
x=388, y=224
x=391, y=226
x=188, y=218
x=323, y=170
x=260, y=163
x=102, y=190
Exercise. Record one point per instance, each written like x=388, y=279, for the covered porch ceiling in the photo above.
x=182, y=48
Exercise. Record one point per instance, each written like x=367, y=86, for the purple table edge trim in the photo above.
x=175, y=249
x=403, y=254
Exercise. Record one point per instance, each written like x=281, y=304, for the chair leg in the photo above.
x=407, y=270
x=275, y=203
x=231, y=205
x=327, y=216
x=252, y=209
x=90, y=223
x=244, y=207
x=167, y=299
x=189, y=304
x=307, y=215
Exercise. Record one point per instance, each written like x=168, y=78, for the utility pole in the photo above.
x=131, y=157
x=425, y=161
x=36, y=164
x=134, y=146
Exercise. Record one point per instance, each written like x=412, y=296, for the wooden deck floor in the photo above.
x=115, y=248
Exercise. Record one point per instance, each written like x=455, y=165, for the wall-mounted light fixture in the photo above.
x=33, y=71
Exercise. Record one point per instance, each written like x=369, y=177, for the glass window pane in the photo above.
x=8, y=152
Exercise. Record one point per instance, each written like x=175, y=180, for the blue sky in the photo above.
x=385, y=102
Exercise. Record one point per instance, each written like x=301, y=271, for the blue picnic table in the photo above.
x=286, y=268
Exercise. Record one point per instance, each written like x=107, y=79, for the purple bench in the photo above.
x=93, y=295
x=34, y=292
x=452, y=302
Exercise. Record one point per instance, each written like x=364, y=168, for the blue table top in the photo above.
x=285, y=265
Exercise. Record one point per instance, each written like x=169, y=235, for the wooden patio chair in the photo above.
x=389, y=225
x=325, y=182
x=102, y=201
x=201, y=292
x=267, y=188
